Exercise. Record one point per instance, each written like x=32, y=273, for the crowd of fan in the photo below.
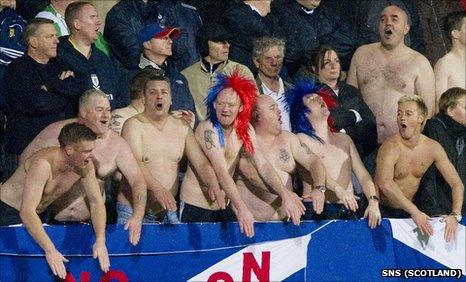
x=248, y=102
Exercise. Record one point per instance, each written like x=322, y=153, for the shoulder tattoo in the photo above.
x=284, y=156
x=208, y=140
x=305, y=147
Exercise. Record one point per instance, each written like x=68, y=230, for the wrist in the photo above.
x=320, y=188
x=456, y=215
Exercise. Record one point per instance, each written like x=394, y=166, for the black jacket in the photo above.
x=303, y=33
x=364, y=132
x=110, y=79
x=434, y=194
x=36, y=97
x=245, y=25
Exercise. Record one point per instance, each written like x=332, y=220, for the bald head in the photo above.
x=396, y=11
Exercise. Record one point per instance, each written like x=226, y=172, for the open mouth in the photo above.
x=159, y=106
x=403, y=126
x=104, y=122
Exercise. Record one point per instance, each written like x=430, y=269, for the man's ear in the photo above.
x=32, y=42
x=406, y=29
x=256, y=62
x=241, y=108
x=68, y=150
x=455, y=34
x=147, y=45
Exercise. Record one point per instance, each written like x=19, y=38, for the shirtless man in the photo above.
x=222, y=136
x=283, y=150
x=385, y=70
x=112, y=153
x=450, y=70
x=159, y=141
x=402, y=161
x=43, y=178
x=309, y=116
x=136, y=91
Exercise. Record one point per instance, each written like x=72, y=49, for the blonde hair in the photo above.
x=417, y=99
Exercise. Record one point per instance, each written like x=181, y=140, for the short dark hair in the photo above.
x=452, y=22
x=75, y=132
x=138, y=83
x=450, y=98
x=72, y=12
x=32, y=27
x=158, y=75
x=318, y=57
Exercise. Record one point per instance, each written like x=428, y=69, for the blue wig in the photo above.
x=295, y=106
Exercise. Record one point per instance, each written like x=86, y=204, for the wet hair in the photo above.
x=157, y=75
x=417, y=99
x=72, y=12
x=318, y=57
x=295, y=106
x=75, y=132
x=453, y=21
x=32, y=28
x=263, y=44
x=84, y=99
x=450, y=98
x=138, y=83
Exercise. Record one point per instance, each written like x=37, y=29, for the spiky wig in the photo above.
x=297, y=109
x=247, y=91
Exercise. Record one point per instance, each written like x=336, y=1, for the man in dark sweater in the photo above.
x=39, y=89
x=78, y=50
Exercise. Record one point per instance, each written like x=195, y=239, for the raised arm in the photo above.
x=372, y=212
x=291, y=203
x=207, y=137
x=387, y=158
x=204, y=169
x=98, y=215
x=451, y=176
x=36, y=179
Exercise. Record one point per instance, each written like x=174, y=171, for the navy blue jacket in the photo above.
x=11, y=45
x=110, y=79
x=303, y=33
x=36, y=97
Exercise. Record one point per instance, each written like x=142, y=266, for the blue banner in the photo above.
x=324, y=251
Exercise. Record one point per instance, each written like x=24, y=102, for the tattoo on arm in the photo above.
x=308, y=151
x=284, y=156
x=208, y=140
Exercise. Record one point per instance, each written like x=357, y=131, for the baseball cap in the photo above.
x=153, y=30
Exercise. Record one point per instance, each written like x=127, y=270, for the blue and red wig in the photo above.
x=297, y=109
x=247, y=92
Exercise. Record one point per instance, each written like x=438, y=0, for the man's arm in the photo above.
x=207, y=137
x=372, y=213
x=451, y=176
x=305, y=157
x=352, y=78
x=98, y=215
x=441, y=72
x=291, y=203
x=134, y=172
x=202, y=166
x=36, y=179
x=387, y=158
x=425, y=84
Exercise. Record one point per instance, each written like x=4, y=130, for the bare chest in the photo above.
x=163, y=146
x=412, y=163
x=378, y=74
x=56, y=186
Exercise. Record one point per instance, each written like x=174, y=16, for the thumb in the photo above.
x=64, y=259
x=366, y=213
